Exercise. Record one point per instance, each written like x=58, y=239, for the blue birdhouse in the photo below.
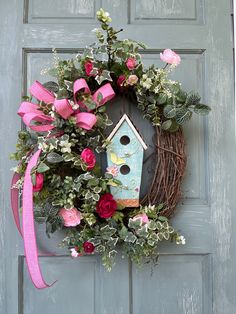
x=125, y=160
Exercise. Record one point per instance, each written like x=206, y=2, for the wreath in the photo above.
x=58, y=174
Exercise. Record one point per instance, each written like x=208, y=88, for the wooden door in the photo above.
x=199, y=277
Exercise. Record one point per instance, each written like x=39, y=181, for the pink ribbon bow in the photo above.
x=30, y=113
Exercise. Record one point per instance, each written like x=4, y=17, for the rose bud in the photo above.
x=39, y=182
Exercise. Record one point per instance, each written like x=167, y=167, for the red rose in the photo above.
x=88, y=66
x=39, y=182
x=106, y=206
x=89, y=158
x=121, y=80
x=88, y=247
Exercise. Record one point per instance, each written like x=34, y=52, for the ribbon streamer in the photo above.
x=29, y=113
x=28, y=230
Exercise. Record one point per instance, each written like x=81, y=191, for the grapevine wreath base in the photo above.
x=169, y=170
x=58, y=175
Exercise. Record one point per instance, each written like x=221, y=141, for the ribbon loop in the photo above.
x=86, y=120
x=41, y=93
x=106, y=92
x=63, y=108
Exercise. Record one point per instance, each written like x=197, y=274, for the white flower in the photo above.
x=147, y=83
x=180, y=240
x=66, y=146
x=157, y=89
x=74, y=253
x=73, y=105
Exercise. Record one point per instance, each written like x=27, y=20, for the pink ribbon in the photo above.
x=31, y=113
x=106, y=92
x=28, y=230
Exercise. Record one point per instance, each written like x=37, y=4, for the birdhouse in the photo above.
x=125, y=160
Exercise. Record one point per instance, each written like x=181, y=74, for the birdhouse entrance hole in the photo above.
x=124, y=169
x=125, y=140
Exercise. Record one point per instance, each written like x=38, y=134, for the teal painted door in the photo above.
x=197, y=278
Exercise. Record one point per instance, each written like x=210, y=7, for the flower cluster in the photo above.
x=70, y=190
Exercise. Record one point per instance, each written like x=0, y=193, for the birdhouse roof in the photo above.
x=116, y=128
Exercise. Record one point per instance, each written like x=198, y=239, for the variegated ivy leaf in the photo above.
x=68, y=157
x=95, y=241
x=88, y=195
x=112, y=242
x=166, y=235
x=90, y=219
x=69, y=85
x=107, y=232
x=158, y=225
x=140, y=241
x=112, y=254
x=142, y=232
x=104, y=76
x=135, y=224
x=130, y=237
x=152, y=225
x=100, y=248
x=96, y=197
x=151, y=242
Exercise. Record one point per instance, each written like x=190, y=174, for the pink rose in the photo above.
x=74, y=253
x=39, y=182
x=169, y=56
x=88, y=247
x=70, y=216
x=113, y=170
x=131, y=63
x=89, y=158
x=106, y=206
x=143, y=217
x=132, y=79
x=88, y=66
x=121, y=80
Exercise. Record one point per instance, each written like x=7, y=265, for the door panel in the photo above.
x=183, y=280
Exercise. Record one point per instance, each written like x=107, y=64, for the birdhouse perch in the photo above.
x=125, y=161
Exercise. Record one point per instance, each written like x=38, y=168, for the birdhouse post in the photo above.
x=125, y=160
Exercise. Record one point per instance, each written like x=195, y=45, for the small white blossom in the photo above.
x=73, y=105
x=66, y=147
x=147, y=83
x=180, y=240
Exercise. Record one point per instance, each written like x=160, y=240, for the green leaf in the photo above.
x=33, y=178
x=130, y=237
x=54, y=158
x=166, y=125
x=42, y=167
x=183, y=115
x=51, y=86
x=192, y=99
x=162, y=218
x=161, y=99
x=202, y=109
x=169, y=111
x=99, y=97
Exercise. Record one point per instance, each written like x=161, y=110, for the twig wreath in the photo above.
x=62, y=184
